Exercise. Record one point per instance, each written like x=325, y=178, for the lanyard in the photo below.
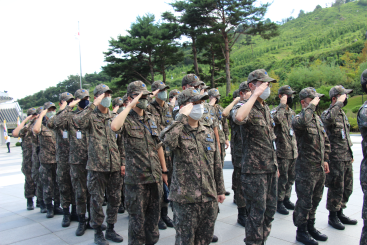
x=150, y=131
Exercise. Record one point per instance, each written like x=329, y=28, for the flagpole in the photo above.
x=80, y=57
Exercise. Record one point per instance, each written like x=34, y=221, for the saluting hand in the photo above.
x=316, y=101
x=259, y=90
x=283, y=100
x=135, y=100
x=116, y=109
x=98, y=100
x=74, y=102
x=43, y=113
x=186, y=109
x=237, y=99
x=154, y=93
x=342, y=98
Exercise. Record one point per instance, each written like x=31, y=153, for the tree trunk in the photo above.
x=226, y=57
x=163, y=74
x=213, y=67
x=151, y=66
x=195, y=53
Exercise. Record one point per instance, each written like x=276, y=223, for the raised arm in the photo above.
x=20, y=126
x=37, y=126
x=228, y=109
x=119, y=120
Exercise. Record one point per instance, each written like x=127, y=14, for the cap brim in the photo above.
x=319, y=95
x=268, y=80
x=199, y=97
x=164, y=87
x=194, y=84
x=348, y=91
x=146, y=92
x=50, y=107
x=107, y=90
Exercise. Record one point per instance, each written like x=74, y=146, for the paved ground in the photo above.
x=19, y=226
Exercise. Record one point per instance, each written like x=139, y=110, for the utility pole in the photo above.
x=80, y=57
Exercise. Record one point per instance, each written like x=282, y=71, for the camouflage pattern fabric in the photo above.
x=194, y=222
x=260, y=75
x=223, y=130
x=98, y=183
x=312, y=142
x=47, y=142
x=236, y=187
x=36, y=163
x=49, y=185
x=142, y=202
x=195, y=151
x=64, y=182
x=62, y=140
x=78, y=173
x=26, y=135
x=208, y=117
x=258, y=140
x=103, y=153
x=260, y=192
x=286, y=139
x=309, y=189
x=236, y=140
x=362, y=124
x=287, y=176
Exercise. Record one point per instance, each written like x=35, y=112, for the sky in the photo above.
x=38, y=45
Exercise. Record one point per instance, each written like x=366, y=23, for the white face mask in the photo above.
x=265, y=94
x=176, y=103
x=197, y=112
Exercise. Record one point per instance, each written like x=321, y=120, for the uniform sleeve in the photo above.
x=170, y=135
x=218, y=171
x=23, y=132
x=234, y=113
x=303, y=118
x=121, y=147
x=225, y=127
x=327, y=148
x=278, y=113
x=82, y=119
x=328, y=116
x=51, y=123
x=61, y=118
x=362, y=117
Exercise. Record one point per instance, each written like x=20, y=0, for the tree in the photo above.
x=301, y=13
x=226, y=16
x=249, y=42
x=318, y=7
x=338, y=4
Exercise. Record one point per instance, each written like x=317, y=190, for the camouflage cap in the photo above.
x=236, y=93
x=100, y=89
x=204, y=86
x=286, y=89
x=260, y=75
x=124, y=99
x=192, y=80
x=159, y=85
x=173, y=93
x=190, y=95
x=339, y=89
x=81, y=94
x=65, y=96
x=309, y=92
x=213, y=92
x=117, y=102
x=137, y=87
x=31, y=111
x=48, y=105
x=39, y=110
x=244, y=86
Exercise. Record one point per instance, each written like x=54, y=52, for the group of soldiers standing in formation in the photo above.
x=147, y=153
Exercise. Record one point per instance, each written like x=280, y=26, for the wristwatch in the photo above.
x=164, y=172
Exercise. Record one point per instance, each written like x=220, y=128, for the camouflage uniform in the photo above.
x=196, y=153
x=78, y=154
x=36, y=162
x=259, y=166
x=26, y=135
x=143, y=172
x=47, y=158
x=62, y=156
x=104, y=162
x=362, y=124
x=340, y=179
x=313, y=147
x=286, y=146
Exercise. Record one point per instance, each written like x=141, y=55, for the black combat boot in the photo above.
x=57, y=209
x=227, y=193
x=66, y=219
x=82, y=226
x=30, y=203
x=37, y=203
x=345, y=219
x=112, y=235
x=335, y=222
x=99, y=237
x=288, y=204
x=242, y=216
x=317, y=235
x=161, y=224
x=43, y=208
x=50, y=211
x=74, y=215
x=165, y=218
x=121, y=209
x=304, y=237
x=281, y=209
x=215, y=238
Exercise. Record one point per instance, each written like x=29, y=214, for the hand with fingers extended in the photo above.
x=155, y=92
x=342, y=98
x=98, y=100
x=283, y=100
x=116, y=109
x=315, y=101
x=43, y=113
x=74, y=102
x=63, y=105
x=186, y=110
x=259, y=90
x=135, y=101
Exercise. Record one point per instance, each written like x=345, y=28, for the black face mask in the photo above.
x=363, y=83
x=317, y=108
x=289, y=101
x=345, y=102
x=83, y=103
x=217, y=101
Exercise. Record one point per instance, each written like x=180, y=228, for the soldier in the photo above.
x=340, y=179
x=311, y=166
x=117, y=105
x=47, y=158
x=362, y=124
x=286, y=148
x=259, y=167
x=173, y=102
x=145, y=165
x=241, y=97
x=163, y=117
x=204, y=88
x=104, y=163
x=62, y=158
x=24, y=132
x=197, y=181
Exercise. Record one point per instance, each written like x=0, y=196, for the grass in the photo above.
x=355, y=101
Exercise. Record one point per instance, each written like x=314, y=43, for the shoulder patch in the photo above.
x=273, y=111
x=240, y=104
x=176, y=108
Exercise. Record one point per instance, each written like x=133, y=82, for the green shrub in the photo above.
x=362, y=2
x=18, y=144
x=355, y=109
x=345, y=110
x=353, y=124
x=297, y=111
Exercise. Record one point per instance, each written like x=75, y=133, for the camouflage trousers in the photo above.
x=194, y=222
x=260, y=192
x=79, y=173
x=50, y=187
x=309, y=189
x=143, y=201
x=222, y=152
x=98, y=183
x=236, y=187
x=363, y=182
x=37, y=179
x=287, y=171
x=170, y=170
x=29, y=185
x=340, y=184
x=63, y=179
